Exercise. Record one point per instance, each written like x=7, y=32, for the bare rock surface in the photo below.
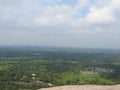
x=84, y=87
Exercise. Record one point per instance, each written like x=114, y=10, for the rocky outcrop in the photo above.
x=84, y=87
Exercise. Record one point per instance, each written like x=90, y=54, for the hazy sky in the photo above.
x=73, y=23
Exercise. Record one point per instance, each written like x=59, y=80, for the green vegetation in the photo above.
x=3, y=67
x=33, y=68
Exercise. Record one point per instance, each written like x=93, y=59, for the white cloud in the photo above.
x=58, y=9
x=100, y=19
x=51, y=21
x=55, y=15
x=64, y=14
x=105, y=14
x=102, y=15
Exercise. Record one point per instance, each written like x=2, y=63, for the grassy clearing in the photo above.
x=89, y=74
x=3, y=67
x=71, y=78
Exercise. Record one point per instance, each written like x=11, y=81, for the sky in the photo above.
x=62, y=23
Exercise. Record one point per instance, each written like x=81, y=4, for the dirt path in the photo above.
x=84, y=87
